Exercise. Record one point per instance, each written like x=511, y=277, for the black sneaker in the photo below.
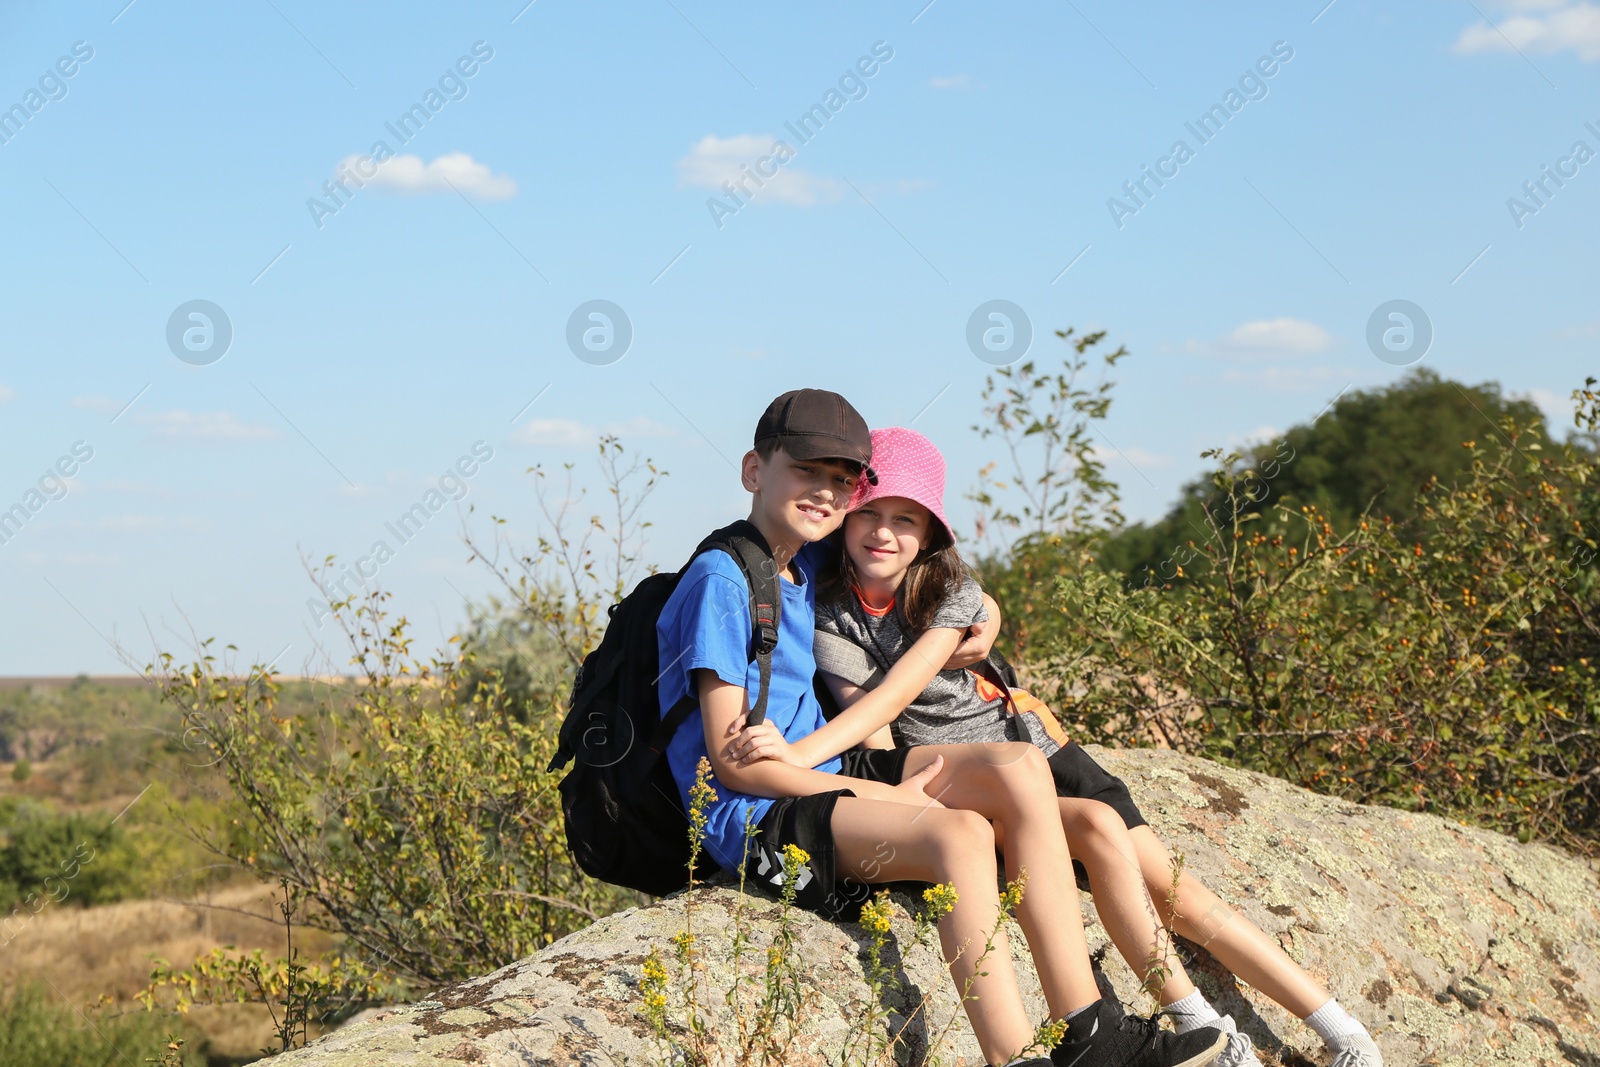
x=1104, y=1036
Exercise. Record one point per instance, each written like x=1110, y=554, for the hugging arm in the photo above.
x=723, y=707
x=975, y=646
x=847, y=693
x=866, y=715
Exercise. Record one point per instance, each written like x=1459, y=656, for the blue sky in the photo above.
x=381, y=335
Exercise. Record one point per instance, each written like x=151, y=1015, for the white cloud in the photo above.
x=6, y=393
x=1557, y=408
x=135, y=488
x=410, y=175
x=72, y=559
x=1266, y=337
x=1264, y=434
x=1587, y=329
x=715, y=160
x=569, y=433
x=1560, y=27
x=151, y=523
x=359, y=491
x=954, y=81
x=1285, y=379
x=204, y=426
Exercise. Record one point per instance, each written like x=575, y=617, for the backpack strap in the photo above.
x=671, y=721
x=749, y=548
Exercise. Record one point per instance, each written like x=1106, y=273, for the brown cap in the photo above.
x=818, y=424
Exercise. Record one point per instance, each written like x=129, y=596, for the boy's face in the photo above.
x=800, y=499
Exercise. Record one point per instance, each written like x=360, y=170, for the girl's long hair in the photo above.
x=937, y=572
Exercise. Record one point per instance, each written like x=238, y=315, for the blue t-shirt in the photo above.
x=706, y=624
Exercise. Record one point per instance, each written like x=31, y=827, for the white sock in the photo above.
x=1192, y=1012
x=1336, y=1026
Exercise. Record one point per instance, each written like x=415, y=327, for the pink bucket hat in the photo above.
x=908, y=466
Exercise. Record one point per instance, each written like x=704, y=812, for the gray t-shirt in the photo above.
x=861, y=648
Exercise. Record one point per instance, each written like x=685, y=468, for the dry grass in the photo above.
x=87, y=952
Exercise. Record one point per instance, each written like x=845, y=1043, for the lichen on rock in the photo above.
x=1453, y=944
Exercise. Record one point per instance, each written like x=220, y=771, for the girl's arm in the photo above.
x=847, y=693
x=723, y=706
x=906, y=679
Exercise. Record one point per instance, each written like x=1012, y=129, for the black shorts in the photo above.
x=808, y=822
x=1078, y=775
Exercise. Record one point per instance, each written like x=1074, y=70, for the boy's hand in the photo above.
x=759, y=742
x=972, y=649
x=978, y=640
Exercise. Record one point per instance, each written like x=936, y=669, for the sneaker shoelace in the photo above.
x=1241, y=1051
x=1147, y=1026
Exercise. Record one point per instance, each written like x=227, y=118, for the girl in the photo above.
x=889, y=609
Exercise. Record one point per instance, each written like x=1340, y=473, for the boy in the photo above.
x=878, y=816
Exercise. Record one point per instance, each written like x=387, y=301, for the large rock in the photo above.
x=1455, y=946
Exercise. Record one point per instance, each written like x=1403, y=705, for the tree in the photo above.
x=1374, y=450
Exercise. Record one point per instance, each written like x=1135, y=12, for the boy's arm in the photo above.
x=866, y=716
x=974, y=648
x=722, y=705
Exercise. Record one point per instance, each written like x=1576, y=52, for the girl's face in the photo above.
x=884, y=536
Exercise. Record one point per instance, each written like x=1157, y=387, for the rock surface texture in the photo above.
x=1454, y=945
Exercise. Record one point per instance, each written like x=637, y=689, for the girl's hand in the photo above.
x=914, y=790
x=762, y=741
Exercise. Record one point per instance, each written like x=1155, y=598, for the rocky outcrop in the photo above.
x=1453, y=944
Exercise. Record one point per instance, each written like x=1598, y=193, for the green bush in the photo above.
x=412, y=809
x=21, y=771
x=1442, y=656
x=1449, y=664
x=407, y=807
x=40, y=1029
x=63, y=858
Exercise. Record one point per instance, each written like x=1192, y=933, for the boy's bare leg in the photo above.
x=1237, y=943
x=1010, y=784
x=932, y=844
x=1101, y=842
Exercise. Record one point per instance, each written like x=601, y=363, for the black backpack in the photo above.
x=625, y=821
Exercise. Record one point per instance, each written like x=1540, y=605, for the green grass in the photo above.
x=40, y=1029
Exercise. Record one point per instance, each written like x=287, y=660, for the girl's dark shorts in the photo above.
x=1078, y=775
x=808, y=822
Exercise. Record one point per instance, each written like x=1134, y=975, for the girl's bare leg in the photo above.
x=1237, y=943
x=1101, y=842
x=1010, y=784
x=935, y=844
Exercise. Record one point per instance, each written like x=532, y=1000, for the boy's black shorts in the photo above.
x=808, y=822
x=1078, y=775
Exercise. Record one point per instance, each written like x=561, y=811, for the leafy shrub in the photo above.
x=410, y=806
x=1450, y=664
x=75, y=858
x=1052, y=486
